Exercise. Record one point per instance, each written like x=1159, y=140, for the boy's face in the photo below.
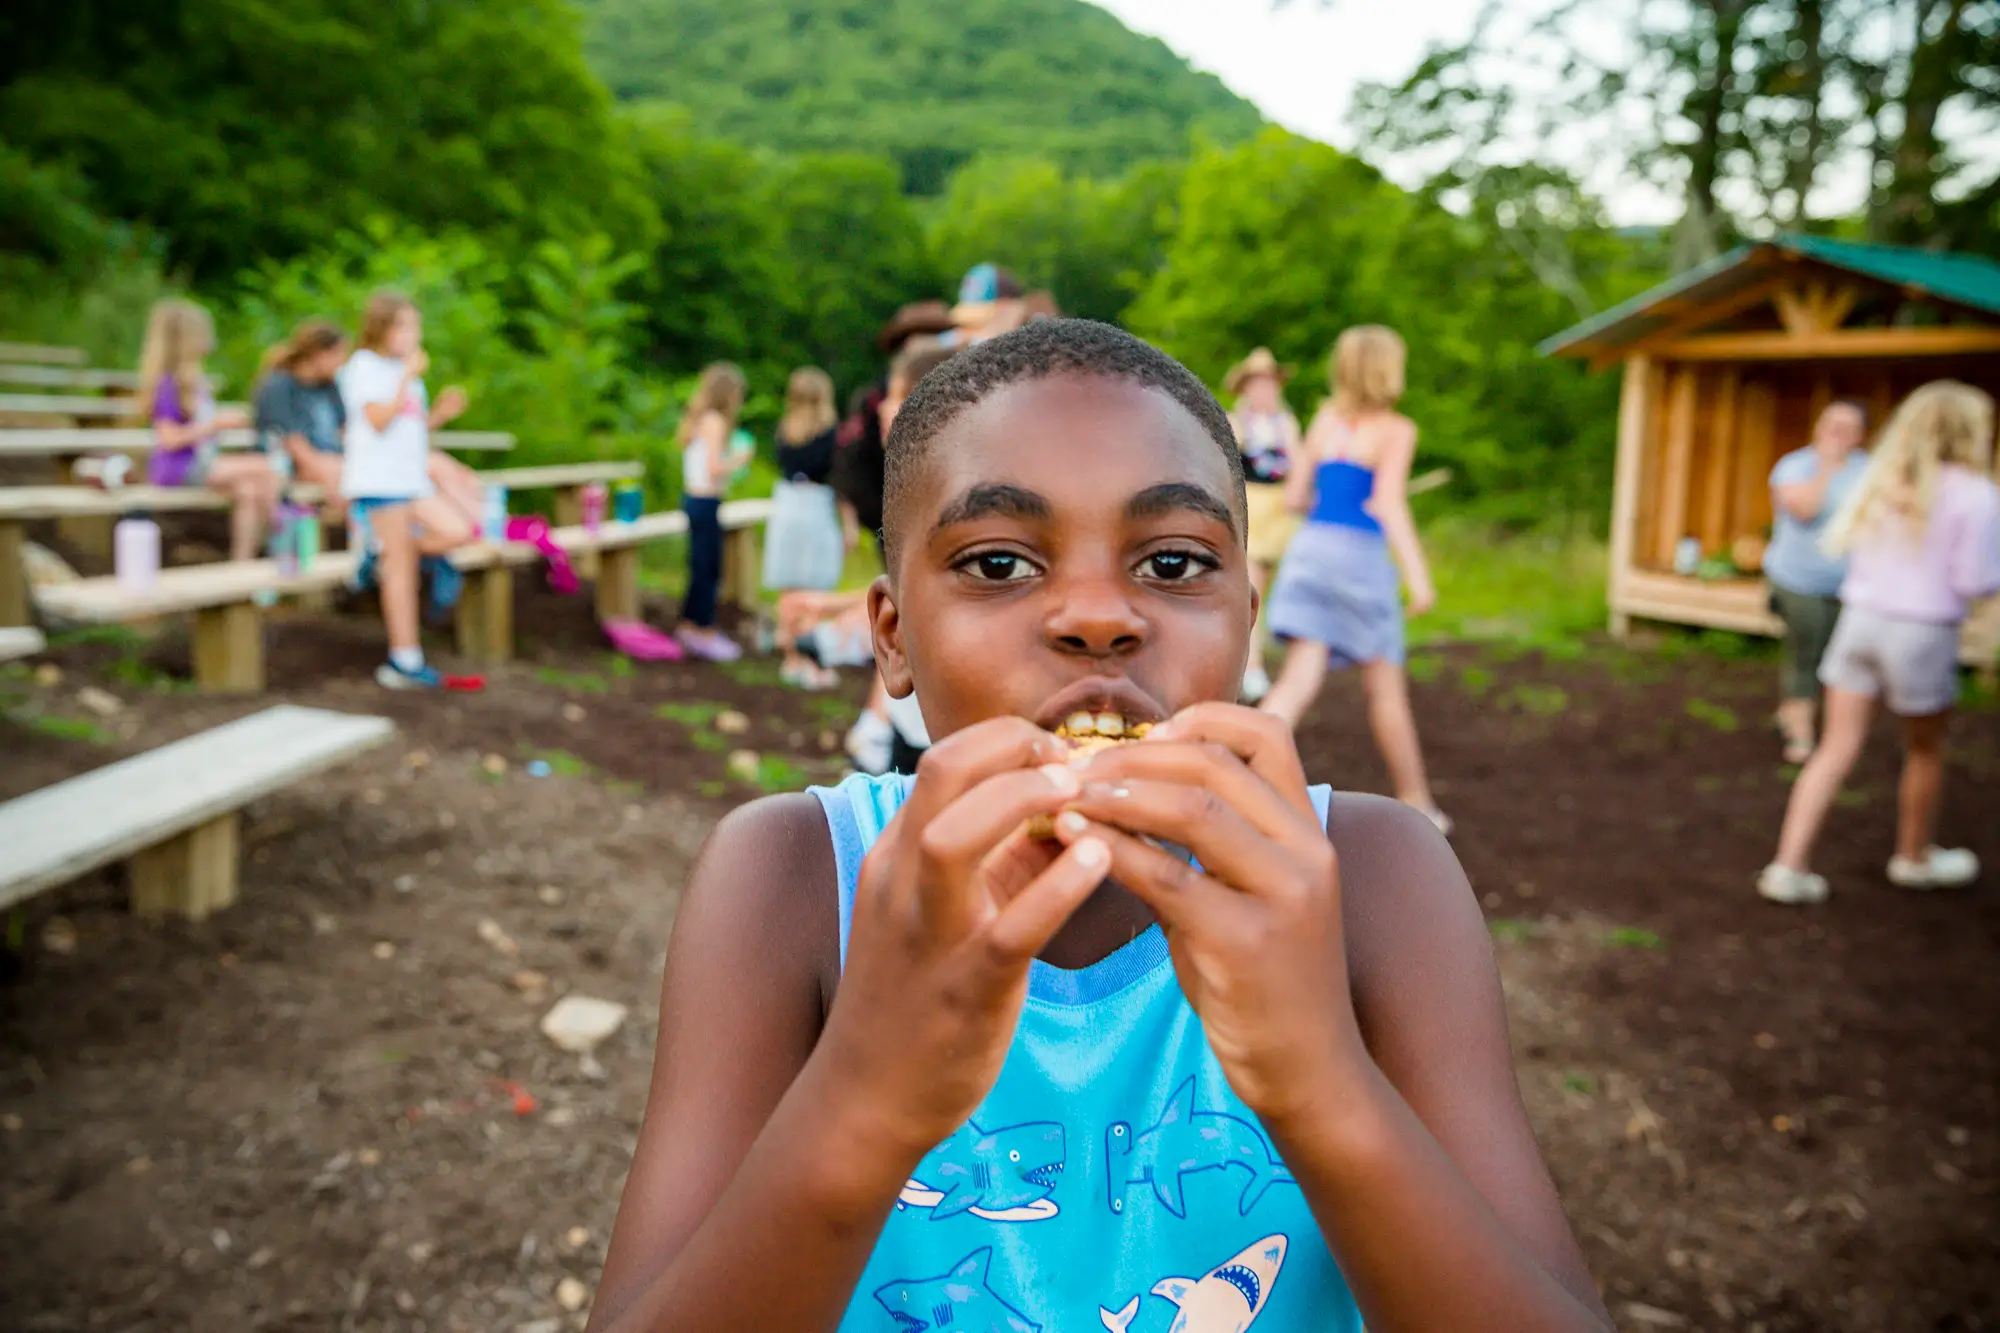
x=1067, y=544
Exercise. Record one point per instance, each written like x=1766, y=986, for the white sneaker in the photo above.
x=1941, y=868
x=1256, y=683
x=870, y=742
x=1782, y=884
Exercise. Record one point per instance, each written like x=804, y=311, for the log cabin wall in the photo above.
x=1714, y=430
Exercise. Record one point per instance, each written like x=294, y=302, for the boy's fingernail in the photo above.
x=1071, y=822
x=1064, y=778
x=1107, y=791
x=1092, y=854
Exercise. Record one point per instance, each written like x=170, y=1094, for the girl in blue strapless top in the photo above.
x=1336, y=599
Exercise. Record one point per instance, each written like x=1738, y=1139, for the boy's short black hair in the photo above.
x=1036, y=351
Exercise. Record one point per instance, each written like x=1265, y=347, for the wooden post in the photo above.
x=1634, y=411
x=1674, y=464
x=191, y=875
x=229, y=648
x=618, y=584
x=13, y=574
x=569, y=514
x=741, y=566
x=486, y=615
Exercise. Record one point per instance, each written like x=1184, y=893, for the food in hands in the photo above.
x=1086, y=734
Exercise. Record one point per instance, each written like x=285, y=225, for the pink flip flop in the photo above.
x=641, y=642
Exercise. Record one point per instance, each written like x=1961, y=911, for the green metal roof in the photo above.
x=1965, y=280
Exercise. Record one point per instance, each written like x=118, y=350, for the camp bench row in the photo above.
x=74, y=441
x=21, y=505
x=225, y=599
x=65, y=377
x=80, y=408
x=44, y=355
x=172, y=813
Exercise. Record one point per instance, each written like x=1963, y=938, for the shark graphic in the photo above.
x=1185, y=1141
x=1001, y=1175
x=1227, y=1300
x=959, y=1301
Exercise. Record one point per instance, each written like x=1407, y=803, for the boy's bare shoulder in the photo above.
x=1405, y=900
x=767, y=873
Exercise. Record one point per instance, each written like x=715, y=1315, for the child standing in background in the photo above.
x=1268, y=435
x=1921, y=533
x=386, y=479
x=180, y=407
x=708, y=461
x=807, y=542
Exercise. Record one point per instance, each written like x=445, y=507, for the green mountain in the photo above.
x=930, y=85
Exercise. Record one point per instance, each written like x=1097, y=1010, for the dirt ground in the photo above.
x=330, y=1108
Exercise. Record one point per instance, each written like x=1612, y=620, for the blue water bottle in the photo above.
x=495, y=527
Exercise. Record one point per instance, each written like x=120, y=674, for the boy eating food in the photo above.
x=918, y=1069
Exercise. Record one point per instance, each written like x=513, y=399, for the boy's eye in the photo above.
x=1174, y=566
x=998, y=567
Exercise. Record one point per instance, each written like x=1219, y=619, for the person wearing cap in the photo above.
x=1267, y=434
x=989, y=304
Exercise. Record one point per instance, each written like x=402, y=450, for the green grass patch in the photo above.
x=775, y=773
x=697, y=713
x=117, y=636
x=832, y=712
x=1475, y=681
x=562, y=763
x=1714, y=715
x=627, y=791
x=712, y=788
x=1511, y=930
x=1540, y=588
x=1576, y=1081
x=575, y=682
x=1537, y=700
x=65, y=728
x=714, y=742
x=618, y=666
x=1633, y=937
x=752, y=672
x=1423, y=668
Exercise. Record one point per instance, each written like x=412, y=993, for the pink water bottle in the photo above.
x=594, y=497
x=135, y=553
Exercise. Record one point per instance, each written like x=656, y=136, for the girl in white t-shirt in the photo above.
x=387, y=478
x=709, y=459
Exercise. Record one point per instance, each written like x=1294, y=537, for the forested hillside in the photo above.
x=929, y=85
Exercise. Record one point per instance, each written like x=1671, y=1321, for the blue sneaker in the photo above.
x=363, y=577
x=392, y=677
x=446, y=584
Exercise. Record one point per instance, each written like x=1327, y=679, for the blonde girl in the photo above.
x=180, y=406
x=1335, y=600
x=1267, y=434
x=1921, y=533
x=387, y=479
x=709, y=458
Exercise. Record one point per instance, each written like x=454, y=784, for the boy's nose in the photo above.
x=1094, y=618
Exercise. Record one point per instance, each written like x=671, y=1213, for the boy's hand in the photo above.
x=953, y=903
x=1256, y=930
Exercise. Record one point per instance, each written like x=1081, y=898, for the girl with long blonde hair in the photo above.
x=711, y=455
x=810, y=533
x=1335, y=600
x=180, y=407
x=1921, y=533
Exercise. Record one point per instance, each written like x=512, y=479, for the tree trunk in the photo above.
x=1810, y=33
x=1932, y=80
x=1714, y=94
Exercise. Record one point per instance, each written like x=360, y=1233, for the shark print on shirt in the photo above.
x=1227, y=1299
x=958, y=1301
x=1001, y=1175
x=1186, y=1141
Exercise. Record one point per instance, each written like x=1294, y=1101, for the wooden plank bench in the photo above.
x=225, y=599
x=65, y=377
x=46, y=355
x=21, y=505
x=66, y=442
x=172, y=813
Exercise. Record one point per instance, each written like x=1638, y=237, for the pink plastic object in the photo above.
x=641, y=642
x=595, y=497
x=535, y=531
x=135, y=553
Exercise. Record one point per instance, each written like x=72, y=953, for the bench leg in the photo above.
x=229, y=648
x=191, y=875
x=618, y=584
x=486, y=615
x=742, y=567
x=569, y=514
x=13, y=574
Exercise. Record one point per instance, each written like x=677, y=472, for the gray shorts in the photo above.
x=1911, y=665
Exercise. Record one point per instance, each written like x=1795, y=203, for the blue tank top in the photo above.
x=1340, y=495
x=1110, y=1180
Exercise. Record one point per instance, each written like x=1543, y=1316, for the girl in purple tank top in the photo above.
x=180, y=407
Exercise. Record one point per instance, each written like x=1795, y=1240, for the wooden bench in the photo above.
x=67, y=442
x=20, y=641
x=48, y=356
x=21, y=505
x=227, y=600
x=64, y=377
x=172, y=813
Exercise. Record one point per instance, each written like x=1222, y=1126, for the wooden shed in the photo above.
x=1727, y=366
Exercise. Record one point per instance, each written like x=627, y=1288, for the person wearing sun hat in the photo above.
x=1268, y=434
x=989, y=304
